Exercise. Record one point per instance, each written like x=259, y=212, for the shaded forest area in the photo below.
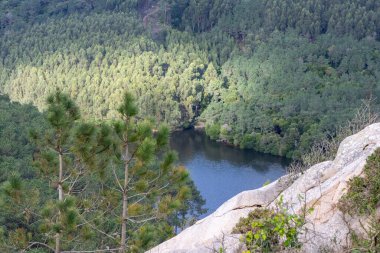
x=275, y=76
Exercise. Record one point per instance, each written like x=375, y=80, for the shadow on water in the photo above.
x=220, y=171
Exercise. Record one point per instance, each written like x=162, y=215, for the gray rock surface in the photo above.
x=320, y=187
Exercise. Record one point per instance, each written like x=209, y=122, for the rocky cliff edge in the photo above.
x=320, y=187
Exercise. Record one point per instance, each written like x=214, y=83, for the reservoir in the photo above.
x=220, y=171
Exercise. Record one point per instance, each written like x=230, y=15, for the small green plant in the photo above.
x=270, y=230
x=363, y=199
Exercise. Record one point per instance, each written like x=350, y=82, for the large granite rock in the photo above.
x=320, y=187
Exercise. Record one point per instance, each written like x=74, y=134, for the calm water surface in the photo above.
x=220, y=171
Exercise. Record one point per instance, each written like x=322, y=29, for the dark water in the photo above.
x=220, y=171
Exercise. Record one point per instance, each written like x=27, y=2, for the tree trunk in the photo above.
x=60, y=198
x=57, y=243
x=60, y=188
x=124, y=214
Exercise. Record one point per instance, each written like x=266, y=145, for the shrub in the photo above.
x=247, y=141
x=362, y=199
x=363, y=195
x=213, y=131
x=270, y=230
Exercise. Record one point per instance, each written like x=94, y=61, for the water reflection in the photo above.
x=220, y=171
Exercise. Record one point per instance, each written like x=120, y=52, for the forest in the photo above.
x=274, y=76
x=86, y=83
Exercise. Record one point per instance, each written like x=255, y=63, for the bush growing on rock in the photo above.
x=270, y=230
x=363, y=200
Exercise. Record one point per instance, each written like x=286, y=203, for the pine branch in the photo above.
x=117, y=180
x=142, y=221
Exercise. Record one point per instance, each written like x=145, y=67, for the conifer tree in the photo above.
x=151, y=186
x=62, y=114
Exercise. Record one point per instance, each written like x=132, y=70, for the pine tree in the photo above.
x=65, y=154
x=151, y=186
x=61, y=114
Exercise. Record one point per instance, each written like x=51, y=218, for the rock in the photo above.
x=330, y=226
x=320, y=188
x=207, y=233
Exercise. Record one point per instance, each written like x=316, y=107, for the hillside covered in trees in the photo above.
x=275, y=76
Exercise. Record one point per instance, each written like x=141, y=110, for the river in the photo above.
x=220, y=171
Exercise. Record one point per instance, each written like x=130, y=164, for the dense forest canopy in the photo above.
x=15, y=148
x=270, y=75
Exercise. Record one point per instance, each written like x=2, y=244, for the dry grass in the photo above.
x=326, y=148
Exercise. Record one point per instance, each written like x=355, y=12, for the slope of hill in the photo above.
x=272, y=74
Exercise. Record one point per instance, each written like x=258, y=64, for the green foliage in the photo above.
x=277, y=102
x=275, y=73
x=18, y=203
x=213, y=131
x=15, y=147
x=156, y=189
x=369, y=242
x=270, y=230
x=128, y=108
x=246, y=19
x=162, y=136
x=17, y=14
x=128, y=57
x=275, y=76
x=266, y=183
x=362, y=200
x=88, y=217
x=61, y=112
x=363, y=195
x=20, y=188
